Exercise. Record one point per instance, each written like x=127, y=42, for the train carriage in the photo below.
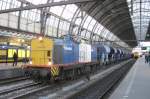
x=103, y=52
x=94, y=53
x=7, y=51
x=54, y=54
x=85, y=52
x=63, y=58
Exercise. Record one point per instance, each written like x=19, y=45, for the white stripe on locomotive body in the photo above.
x=85, y=52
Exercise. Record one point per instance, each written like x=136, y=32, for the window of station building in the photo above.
x=3, y=54
x=21, y=53
x=28, y=53
x=11, y=52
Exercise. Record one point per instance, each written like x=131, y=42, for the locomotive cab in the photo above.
x=41, y=52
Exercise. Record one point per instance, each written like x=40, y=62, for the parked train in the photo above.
x=64, y=58
x=136, y=55
x=7, y=51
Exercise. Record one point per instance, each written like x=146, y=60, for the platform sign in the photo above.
x=144, y=48
x=148, y=48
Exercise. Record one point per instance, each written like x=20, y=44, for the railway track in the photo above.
x=102, y=87
x=28, y=89
x=11, y=80
x=19, y=89
x=66, y=90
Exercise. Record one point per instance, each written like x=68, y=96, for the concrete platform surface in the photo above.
x=136, y=85
x=10, y=65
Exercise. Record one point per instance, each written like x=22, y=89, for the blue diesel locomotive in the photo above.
x=64, y=58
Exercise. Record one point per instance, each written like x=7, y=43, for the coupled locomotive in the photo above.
x=64, y=58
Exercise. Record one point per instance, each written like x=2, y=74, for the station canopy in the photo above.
x=140, y=14
x=115, y=21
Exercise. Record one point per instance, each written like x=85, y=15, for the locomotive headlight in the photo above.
x=30, y=62
x=49, y=63
x=40, y=38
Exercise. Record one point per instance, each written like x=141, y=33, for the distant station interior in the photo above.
x=74, y=49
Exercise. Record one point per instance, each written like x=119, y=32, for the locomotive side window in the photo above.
x=49, y=53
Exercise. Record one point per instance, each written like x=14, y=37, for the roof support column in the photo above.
x=19, y=16
x=43, y=19
x=140, y=18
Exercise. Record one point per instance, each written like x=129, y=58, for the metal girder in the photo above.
x=76, y=14
x=45, y=5
x=113, y=16
x=100, y=6
x=87, y=6
x=43, y=16
x=106, y=19
x=121, y=27
x=143, y=10
x=47, y=12
x=148, y=32
x=93, y=30
x=117, y=26
x=22, y=31
x=89, y=9
x=140, y=19
x=25, y=2
x=113, y=24
x=126, y=40
x=127, y=37
x=19, y=17
x=126, y=33
x=43, y=19
x=115, y=19
x=108, y=9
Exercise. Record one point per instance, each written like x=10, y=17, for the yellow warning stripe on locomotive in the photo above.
x=54, y=71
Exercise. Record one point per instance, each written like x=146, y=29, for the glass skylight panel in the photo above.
x=38, y=1
x=69, y=12
x=58, y=11
x=59, y=19
x=92, y=23
x=145, y=16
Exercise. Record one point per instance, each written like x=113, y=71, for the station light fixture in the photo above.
x=18, y=40
x=28, y=47
x=22, y=41
x=3, y=46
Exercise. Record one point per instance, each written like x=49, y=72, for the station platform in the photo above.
x=7, y=70
x=136, y=84
x=10, y=65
